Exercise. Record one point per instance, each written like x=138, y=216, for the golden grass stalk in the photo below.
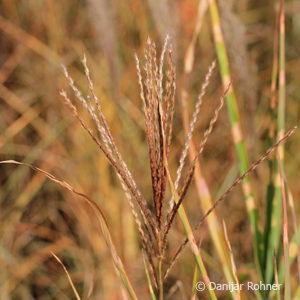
x=233, y=266
x=68, y=275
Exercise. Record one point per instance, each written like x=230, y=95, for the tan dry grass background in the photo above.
x=35, y=127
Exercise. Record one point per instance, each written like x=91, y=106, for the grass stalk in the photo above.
x=207, y=202
x=205, y=198
x=195, y=279
x=236, y=129
x=68, y=275
x=160, y=274
x=190, y=236
x=292, y=254
x=160, y=280
x=272, y=161
x=153, y=297
x=276, y=216
x=233, y=265
x=295, y=226
x=213, y=221
x=276, y=276
x=286, y=251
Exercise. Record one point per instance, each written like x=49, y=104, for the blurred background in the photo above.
x=37, y=216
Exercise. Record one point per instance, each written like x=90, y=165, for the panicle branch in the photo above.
x=229, y=190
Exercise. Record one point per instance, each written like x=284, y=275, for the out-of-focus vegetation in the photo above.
x=37, y=216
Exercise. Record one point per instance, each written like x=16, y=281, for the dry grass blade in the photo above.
x=295, y=226
x=103, y=223
x=234, y=270
x=68, y=275
x=232, y=187
x=90, y=292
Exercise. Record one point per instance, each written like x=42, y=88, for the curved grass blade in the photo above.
x=102, y=220
x=68, y=275
x=293, y=254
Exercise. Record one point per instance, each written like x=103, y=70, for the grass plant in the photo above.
x=158, y=184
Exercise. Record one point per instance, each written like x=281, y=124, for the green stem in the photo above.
x=195, y=279
x=276, y=217
x=153, y=297
x=189, y=233
x=236, y=130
